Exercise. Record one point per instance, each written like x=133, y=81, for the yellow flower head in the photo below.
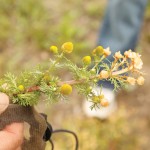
x=66, y=89
x=67, y=47
x=86, y=60
x=21, y=88
x=53, y=49
x=98, y=51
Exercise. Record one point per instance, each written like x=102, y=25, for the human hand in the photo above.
x=11, y=137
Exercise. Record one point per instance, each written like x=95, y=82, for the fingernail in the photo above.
x=4, y=102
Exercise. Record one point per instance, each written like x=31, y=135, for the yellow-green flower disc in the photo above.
x=101, y=96
x=99, y=51
x=21, y=88
x=86, y=60
x=94, y=52
x=47, y=78
x=67, y=47
x=53, y=49
x=95, y=99
x=66, y=89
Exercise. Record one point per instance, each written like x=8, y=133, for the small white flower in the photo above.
x=131, y=80
x=118, y=55
x=130, y=54
x=135, y=57
x=5, y=86
x=138, y=62
x=107, y=51
x=104, y=74
x=140, y=80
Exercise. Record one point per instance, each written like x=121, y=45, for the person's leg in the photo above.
x=121, y=26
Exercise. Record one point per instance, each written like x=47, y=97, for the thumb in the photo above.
x=4, y=102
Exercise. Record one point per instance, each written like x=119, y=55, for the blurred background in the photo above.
x=28, y=28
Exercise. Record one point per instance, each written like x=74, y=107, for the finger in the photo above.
x=11, y=137
x=15, y=128
x=19, y=148
x=4, y=102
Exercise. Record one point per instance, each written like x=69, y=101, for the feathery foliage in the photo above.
x=26, y=88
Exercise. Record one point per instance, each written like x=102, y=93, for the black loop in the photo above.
x=48, y=133
x=70, y=132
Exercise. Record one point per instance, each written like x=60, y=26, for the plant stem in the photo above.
x=122, y=71
x=73, y=82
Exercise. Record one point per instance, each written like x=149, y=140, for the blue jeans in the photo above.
x=121, y=26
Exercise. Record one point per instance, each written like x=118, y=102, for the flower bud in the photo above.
x=95, y=99
x=95, y=80
x=104, y=102
x=89, y=89
x=54, y=49
x=86, y=60
x=104, y=74
x=66, y=89
x=140, y=80
x=67, y=47
x=93, y=71
x=131, y=80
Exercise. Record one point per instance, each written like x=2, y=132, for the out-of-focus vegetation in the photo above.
x=23, y=23
x=94, y=134
x=28, y=28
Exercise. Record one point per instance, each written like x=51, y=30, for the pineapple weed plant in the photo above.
x=26, y=88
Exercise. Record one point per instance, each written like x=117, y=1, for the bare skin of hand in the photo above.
x=11, y=137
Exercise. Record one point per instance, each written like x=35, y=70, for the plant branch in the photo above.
x=73, y=82
x=122, y=71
